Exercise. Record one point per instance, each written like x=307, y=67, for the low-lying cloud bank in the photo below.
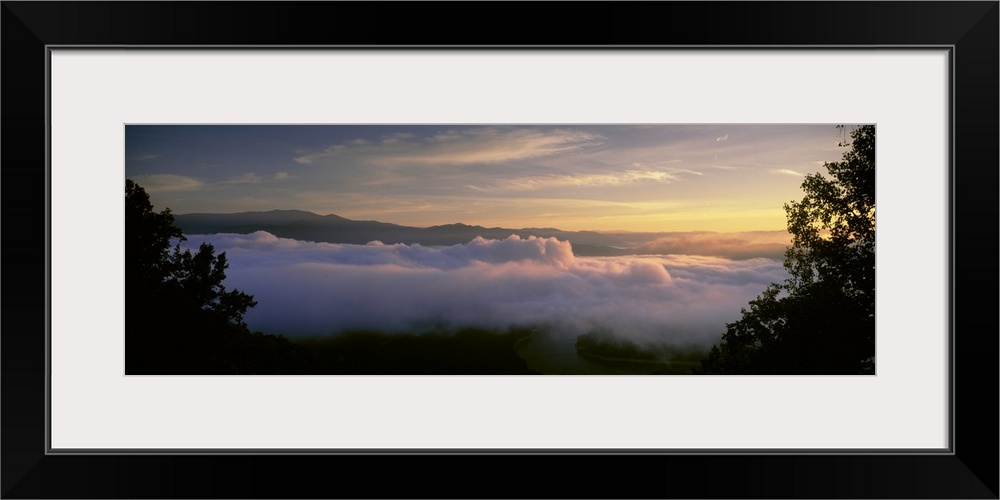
x=744, y=245
x=309, y=289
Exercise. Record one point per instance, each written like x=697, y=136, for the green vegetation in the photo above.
x=822, y=319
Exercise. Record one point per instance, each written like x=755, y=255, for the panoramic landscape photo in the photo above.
x=739, y=249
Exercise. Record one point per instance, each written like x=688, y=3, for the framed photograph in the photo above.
x=483, y=255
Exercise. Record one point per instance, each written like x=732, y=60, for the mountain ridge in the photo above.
x=308, y=226
x=332, y=228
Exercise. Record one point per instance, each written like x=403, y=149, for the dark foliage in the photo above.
x=601, y=344
x=179, y=317
x=470, y=351
x=822, y=319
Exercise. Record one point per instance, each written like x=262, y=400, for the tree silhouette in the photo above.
x=193, y=281
x=821, y=320
x=198, y=281
x=147, y=242
x=179, y=316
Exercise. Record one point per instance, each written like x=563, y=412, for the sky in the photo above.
x=660, y=178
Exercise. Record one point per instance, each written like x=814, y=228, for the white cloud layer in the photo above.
x=311, y=289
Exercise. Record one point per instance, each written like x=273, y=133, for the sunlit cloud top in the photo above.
x=574, y=177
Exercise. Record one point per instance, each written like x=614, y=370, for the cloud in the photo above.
x=247, y=178
x=785, y=171
x=167, y=182
x=743, y=245
x=308, y=289
x=686, y=171
x=252, y=178
x=582, y=180
x=395, y=138
x=479, y=145
x=631, y=176
x=143, y=157
x=722, y=139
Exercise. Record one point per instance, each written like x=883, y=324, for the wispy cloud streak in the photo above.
x=168, y=182
x=460, y=147
x=785, y=171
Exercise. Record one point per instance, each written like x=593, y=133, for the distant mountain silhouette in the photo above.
x=307, y=226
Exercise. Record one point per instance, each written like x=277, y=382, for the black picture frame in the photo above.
x=969, y=28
